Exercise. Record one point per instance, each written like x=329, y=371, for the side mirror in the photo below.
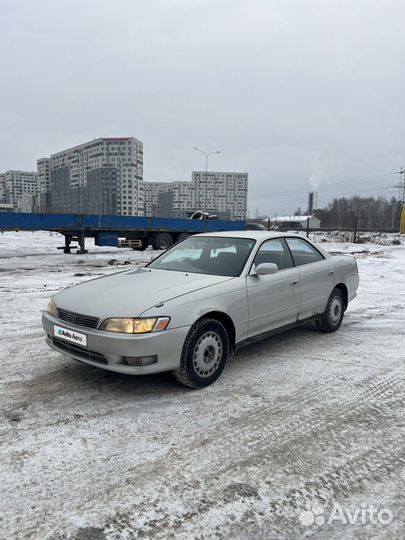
x=265, y=269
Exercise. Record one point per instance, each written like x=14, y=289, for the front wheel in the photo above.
x=333, y=315
x=204, y=354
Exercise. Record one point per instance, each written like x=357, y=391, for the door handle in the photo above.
x=294, y=282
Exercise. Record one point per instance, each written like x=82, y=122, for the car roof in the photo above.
x=256, y=235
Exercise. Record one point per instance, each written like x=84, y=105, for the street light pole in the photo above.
x=207, y=155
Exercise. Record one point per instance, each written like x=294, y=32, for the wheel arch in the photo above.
x=226, y=321
x=343, y=288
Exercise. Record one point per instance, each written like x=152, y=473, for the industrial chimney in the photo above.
x=311, y=200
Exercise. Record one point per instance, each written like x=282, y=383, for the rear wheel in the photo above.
x=204, y=354
x=162, y=241
x=333, y=315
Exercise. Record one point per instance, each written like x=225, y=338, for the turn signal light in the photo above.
x=141, y=360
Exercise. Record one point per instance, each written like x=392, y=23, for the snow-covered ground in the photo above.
x=299, y=419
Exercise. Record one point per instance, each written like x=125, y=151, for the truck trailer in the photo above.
x=137, y=232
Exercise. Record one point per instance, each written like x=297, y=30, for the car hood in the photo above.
x=129, y=294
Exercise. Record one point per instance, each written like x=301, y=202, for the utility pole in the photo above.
x=207, y=155
x=401, y=187
x=401, y=198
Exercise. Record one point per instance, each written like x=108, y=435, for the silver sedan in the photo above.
x=198, y=301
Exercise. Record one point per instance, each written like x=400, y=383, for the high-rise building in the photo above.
x=151, y=197
x=19, y=185
x=101, y=176
x=44, y=183
x=2, y=188
x=175, y=199
x=224, y=194
x=168, y=199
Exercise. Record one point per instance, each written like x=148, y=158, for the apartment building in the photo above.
x=101, y=176
x=175, y=199
x=2, y=188
x=151, y=197
x=44, y=183
x=168, y=199
x=222, y=193
x=20, y=189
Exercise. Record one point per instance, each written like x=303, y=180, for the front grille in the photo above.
x=79, y=351
x=76, y=318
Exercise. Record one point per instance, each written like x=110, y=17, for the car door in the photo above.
x=273, y=300
x=315, y=275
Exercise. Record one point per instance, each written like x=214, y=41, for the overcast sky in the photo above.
x=294, y=92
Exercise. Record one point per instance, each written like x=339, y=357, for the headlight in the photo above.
x=51, y=309
x=135, y=326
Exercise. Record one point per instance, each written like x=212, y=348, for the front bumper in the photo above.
x=108, y=349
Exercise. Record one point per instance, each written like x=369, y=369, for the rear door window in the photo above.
x=303, y=252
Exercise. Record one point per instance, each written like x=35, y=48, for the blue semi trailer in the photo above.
x=137, y=231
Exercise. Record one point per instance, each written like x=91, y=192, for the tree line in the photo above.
x=371, y=213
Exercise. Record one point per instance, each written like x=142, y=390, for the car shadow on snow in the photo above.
x=76, y=376
x=276, y=347
x=117, y=382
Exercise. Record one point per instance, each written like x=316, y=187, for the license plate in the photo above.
x=70, y=335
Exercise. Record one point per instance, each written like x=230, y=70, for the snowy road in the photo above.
x=303, y=418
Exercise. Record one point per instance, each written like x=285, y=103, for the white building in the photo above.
x=43, y=171
x=224, y=194
x=167, y=199
x=101, y=176
x=44, y=183
x=2, y=187
x=15, y=185
x=151, y=197
x=175, y=199
x=27, y=203
x=295, y=222
x=6, y=208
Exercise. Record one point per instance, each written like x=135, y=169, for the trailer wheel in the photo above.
x=162, y=241
x=182, y=236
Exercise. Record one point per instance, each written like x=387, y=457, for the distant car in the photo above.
x=199, y=300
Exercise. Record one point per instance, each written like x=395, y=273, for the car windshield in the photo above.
x=207, y=255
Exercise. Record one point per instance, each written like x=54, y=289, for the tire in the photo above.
x=182, y=236
x=162, y=241
x=333, y=315
x=204, y=355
